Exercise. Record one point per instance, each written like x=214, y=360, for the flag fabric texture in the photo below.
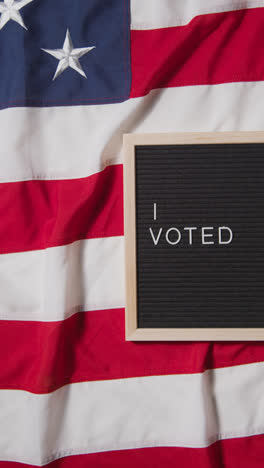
x=75, y=76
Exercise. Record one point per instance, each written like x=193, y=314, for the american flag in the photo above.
x=75, y=75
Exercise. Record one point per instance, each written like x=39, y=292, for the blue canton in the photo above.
x=76, y=52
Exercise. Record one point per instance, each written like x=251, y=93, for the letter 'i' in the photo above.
x=155, y=211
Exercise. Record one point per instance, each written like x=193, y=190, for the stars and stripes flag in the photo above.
x=74, y=77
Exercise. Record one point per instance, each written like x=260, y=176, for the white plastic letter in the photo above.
x=155, y=211
x=204, y=235
x=155, y=240
x=190, y=229
x=221, y=241
x=177, y=240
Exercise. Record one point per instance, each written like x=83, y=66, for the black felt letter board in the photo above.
x=200, y=235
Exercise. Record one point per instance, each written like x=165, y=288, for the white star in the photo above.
x=68, y=56
x=9, y=10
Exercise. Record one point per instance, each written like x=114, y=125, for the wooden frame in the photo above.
x=169, y=334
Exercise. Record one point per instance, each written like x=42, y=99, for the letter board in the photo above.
x=194, y=232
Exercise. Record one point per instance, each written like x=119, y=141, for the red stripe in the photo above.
x=247, y=452
x=211, y=49
x=43, y=356
x=39, y=214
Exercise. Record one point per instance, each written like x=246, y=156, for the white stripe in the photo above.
x=168, y=13
x=72, y=142
x=52, y=284
x=192, y=410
